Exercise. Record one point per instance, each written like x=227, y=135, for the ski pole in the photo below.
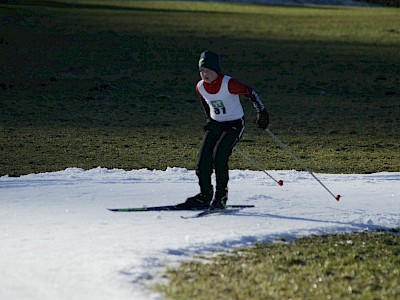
x=255, y=163
x=284, y=147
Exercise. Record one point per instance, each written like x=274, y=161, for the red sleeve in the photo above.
x=238, y=88
x=197, y=90
x=204, y=103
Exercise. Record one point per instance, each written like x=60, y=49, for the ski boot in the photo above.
x=220, y=199
x=199, y=201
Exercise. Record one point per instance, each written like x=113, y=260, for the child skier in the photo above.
x=219, y=95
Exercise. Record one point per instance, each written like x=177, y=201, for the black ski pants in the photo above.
x=216, y=147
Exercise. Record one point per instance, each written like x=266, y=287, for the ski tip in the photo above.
x=338, y=197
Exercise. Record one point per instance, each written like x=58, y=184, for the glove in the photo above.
x=262, y=119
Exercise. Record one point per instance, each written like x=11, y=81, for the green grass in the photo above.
x=337, y=266
x=111, y=83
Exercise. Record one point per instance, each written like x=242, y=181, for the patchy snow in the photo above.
x=58, y=241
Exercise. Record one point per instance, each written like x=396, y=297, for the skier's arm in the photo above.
x=236, y=87
x=205, y=105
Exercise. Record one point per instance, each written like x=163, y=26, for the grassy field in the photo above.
x=111, y=83
x=338, y=266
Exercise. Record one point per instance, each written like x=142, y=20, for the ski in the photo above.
x=225, y=211
x=168, y=208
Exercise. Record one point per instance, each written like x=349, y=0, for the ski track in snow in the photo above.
x=58, y=241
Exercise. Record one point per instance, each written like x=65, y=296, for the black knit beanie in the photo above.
x=210, y=60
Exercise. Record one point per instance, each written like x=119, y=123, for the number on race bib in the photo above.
x=218, y=106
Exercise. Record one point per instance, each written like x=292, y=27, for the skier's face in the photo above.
x=208, y=75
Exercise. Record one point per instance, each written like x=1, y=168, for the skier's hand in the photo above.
x=262, y=120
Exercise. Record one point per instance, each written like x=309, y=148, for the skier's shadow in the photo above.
x=293, y=218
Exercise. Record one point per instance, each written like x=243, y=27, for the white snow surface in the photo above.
x=58, y=240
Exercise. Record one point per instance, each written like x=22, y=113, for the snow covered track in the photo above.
x=58, y=241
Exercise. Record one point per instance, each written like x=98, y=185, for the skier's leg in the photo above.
x=223, y=151
x=204, y=166
x=204, y=171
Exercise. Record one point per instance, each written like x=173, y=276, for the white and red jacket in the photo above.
x=220, y=98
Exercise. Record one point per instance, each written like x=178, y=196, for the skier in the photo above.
x=219, y=95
